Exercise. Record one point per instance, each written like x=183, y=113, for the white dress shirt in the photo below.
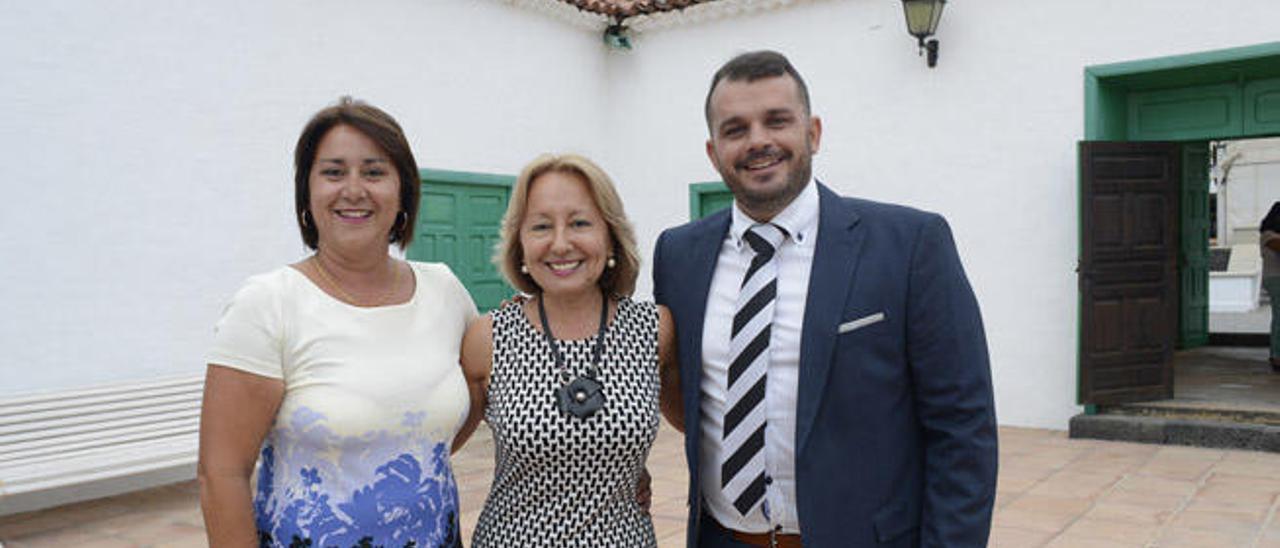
x=795, y=260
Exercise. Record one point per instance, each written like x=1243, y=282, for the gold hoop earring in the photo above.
x=306, y=219
x=398, y=227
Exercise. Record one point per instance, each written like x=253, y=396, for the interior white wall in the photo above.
x=1252, y=185
x=987, y=138
x=149, y=149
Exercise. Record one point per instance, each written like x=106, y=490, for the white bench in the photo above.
x=69, y=446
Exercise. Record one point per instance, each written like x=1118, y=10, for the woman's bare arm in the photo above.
x=237, y=412
x=477, y=365
x=670, y=400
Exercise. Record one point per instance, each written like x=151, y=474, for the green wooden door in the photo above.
x=1193, y=266
x=458, y=225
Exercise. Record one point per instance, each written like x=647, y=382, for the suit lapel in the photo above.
x=835, y=262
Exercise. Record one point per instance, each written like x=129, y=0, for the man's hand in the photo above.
x=518, y=298
x=644, y=490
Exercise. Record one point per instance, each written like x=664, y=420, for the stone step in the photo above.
x=1177, y=430
x=1197, y=411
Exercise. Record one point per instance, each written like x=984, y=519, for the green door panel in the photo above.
x=1193, y=268
x=1185, y=113
x=458, y=224
x=708, y=198
x=1262, y=107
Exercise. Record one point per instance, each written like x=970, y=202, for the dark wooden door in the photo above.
x=1128, y=270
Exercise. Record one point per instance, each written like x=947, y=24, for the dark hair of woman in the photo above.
x=383, y=130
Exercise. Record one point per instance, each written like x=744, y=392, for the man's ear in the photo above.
x=815, y=133
x=711, y=155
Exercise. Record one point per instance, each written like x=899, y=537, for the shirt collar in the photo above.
x=799, y=218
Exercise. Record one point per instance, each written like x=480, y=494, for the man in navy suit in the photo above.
x=835, y=383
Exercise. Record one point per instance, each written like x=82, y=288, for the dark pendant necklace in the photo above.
x=578, y=396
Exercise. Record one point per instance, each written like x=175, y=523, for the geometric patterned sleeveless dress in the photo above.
x=561, y=480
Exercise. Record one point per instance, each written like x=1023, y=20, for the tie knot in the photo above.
x=765, y=238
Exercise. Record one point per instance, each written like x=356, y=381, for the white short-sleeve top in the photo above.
x=372, y=400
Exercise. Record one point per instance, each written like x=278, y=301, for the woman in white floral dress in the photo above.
x=338, y=374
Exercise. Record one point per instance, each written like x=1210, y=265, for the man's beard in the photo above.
x=777, y=200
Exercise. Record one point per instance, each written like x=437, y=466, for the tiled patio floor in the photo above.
x=1052, y=492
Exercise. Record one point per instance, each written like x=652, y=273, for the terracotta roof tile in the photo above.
x=631, y=8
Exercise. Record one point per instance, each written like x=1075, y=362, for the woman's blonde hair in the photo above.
x=620, y=280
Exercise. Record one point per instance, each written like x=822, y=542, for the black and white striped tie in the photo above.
x=742, y=474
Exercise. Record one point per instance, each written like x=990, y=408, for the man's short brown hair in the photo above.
x=752, y=66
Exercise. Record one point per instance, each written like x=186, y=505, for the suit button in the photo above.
x=768, y=480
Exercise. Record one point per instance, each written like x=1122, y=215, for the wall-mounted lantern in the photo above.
x=922, y=22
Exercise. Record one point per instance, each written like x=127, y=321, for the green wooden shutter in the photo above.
x=458, y=224
x=708, y=198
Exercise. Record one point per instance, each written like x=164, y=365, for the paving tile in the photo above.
x=1003, y=498
x=1076, y=485
x=1271, y=535
x=1145, y=499
x=1120, y=458
x=1177, y=466
x=1241, y=490
x=1190, y=453
x=1013, y=537
x=1213, y=518
x=1249, y=463
x=189, y=515
x=1015, y=481
x=669, y=528
x=1022, y=474
x=1127, y=533
x=64, y=538
x=1131, y=513
x=164, y=532
x=53, y=519
x=1041, y=512
x=1059, y=454
x=1197, y=538
x=184, y=541
x=1073, y=540
x=1148, y=485
x=1052, y=491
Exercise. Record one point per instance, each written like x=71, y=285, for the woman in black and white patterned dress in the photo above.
x=571, y=380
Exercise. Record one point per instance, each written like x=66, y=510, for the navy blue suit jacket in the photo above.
x=895, y=429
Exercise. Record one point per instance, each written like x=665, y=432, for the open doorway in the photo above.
x=1153, y=229
x=1244, y=181
x=1231, y=374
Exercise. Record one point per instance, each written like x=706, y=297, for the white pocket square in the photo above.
x=860, y=322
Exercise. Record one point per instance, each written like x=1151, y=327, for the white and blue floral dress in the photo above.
x=359, y=451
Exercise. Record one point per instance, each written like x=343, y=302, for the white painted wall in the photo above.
x=148, y=150
x=987, y=138
x=1252, y=185
x=149, y=146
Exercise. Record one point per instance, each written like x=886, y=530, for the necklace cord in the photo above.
x=597, y=350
